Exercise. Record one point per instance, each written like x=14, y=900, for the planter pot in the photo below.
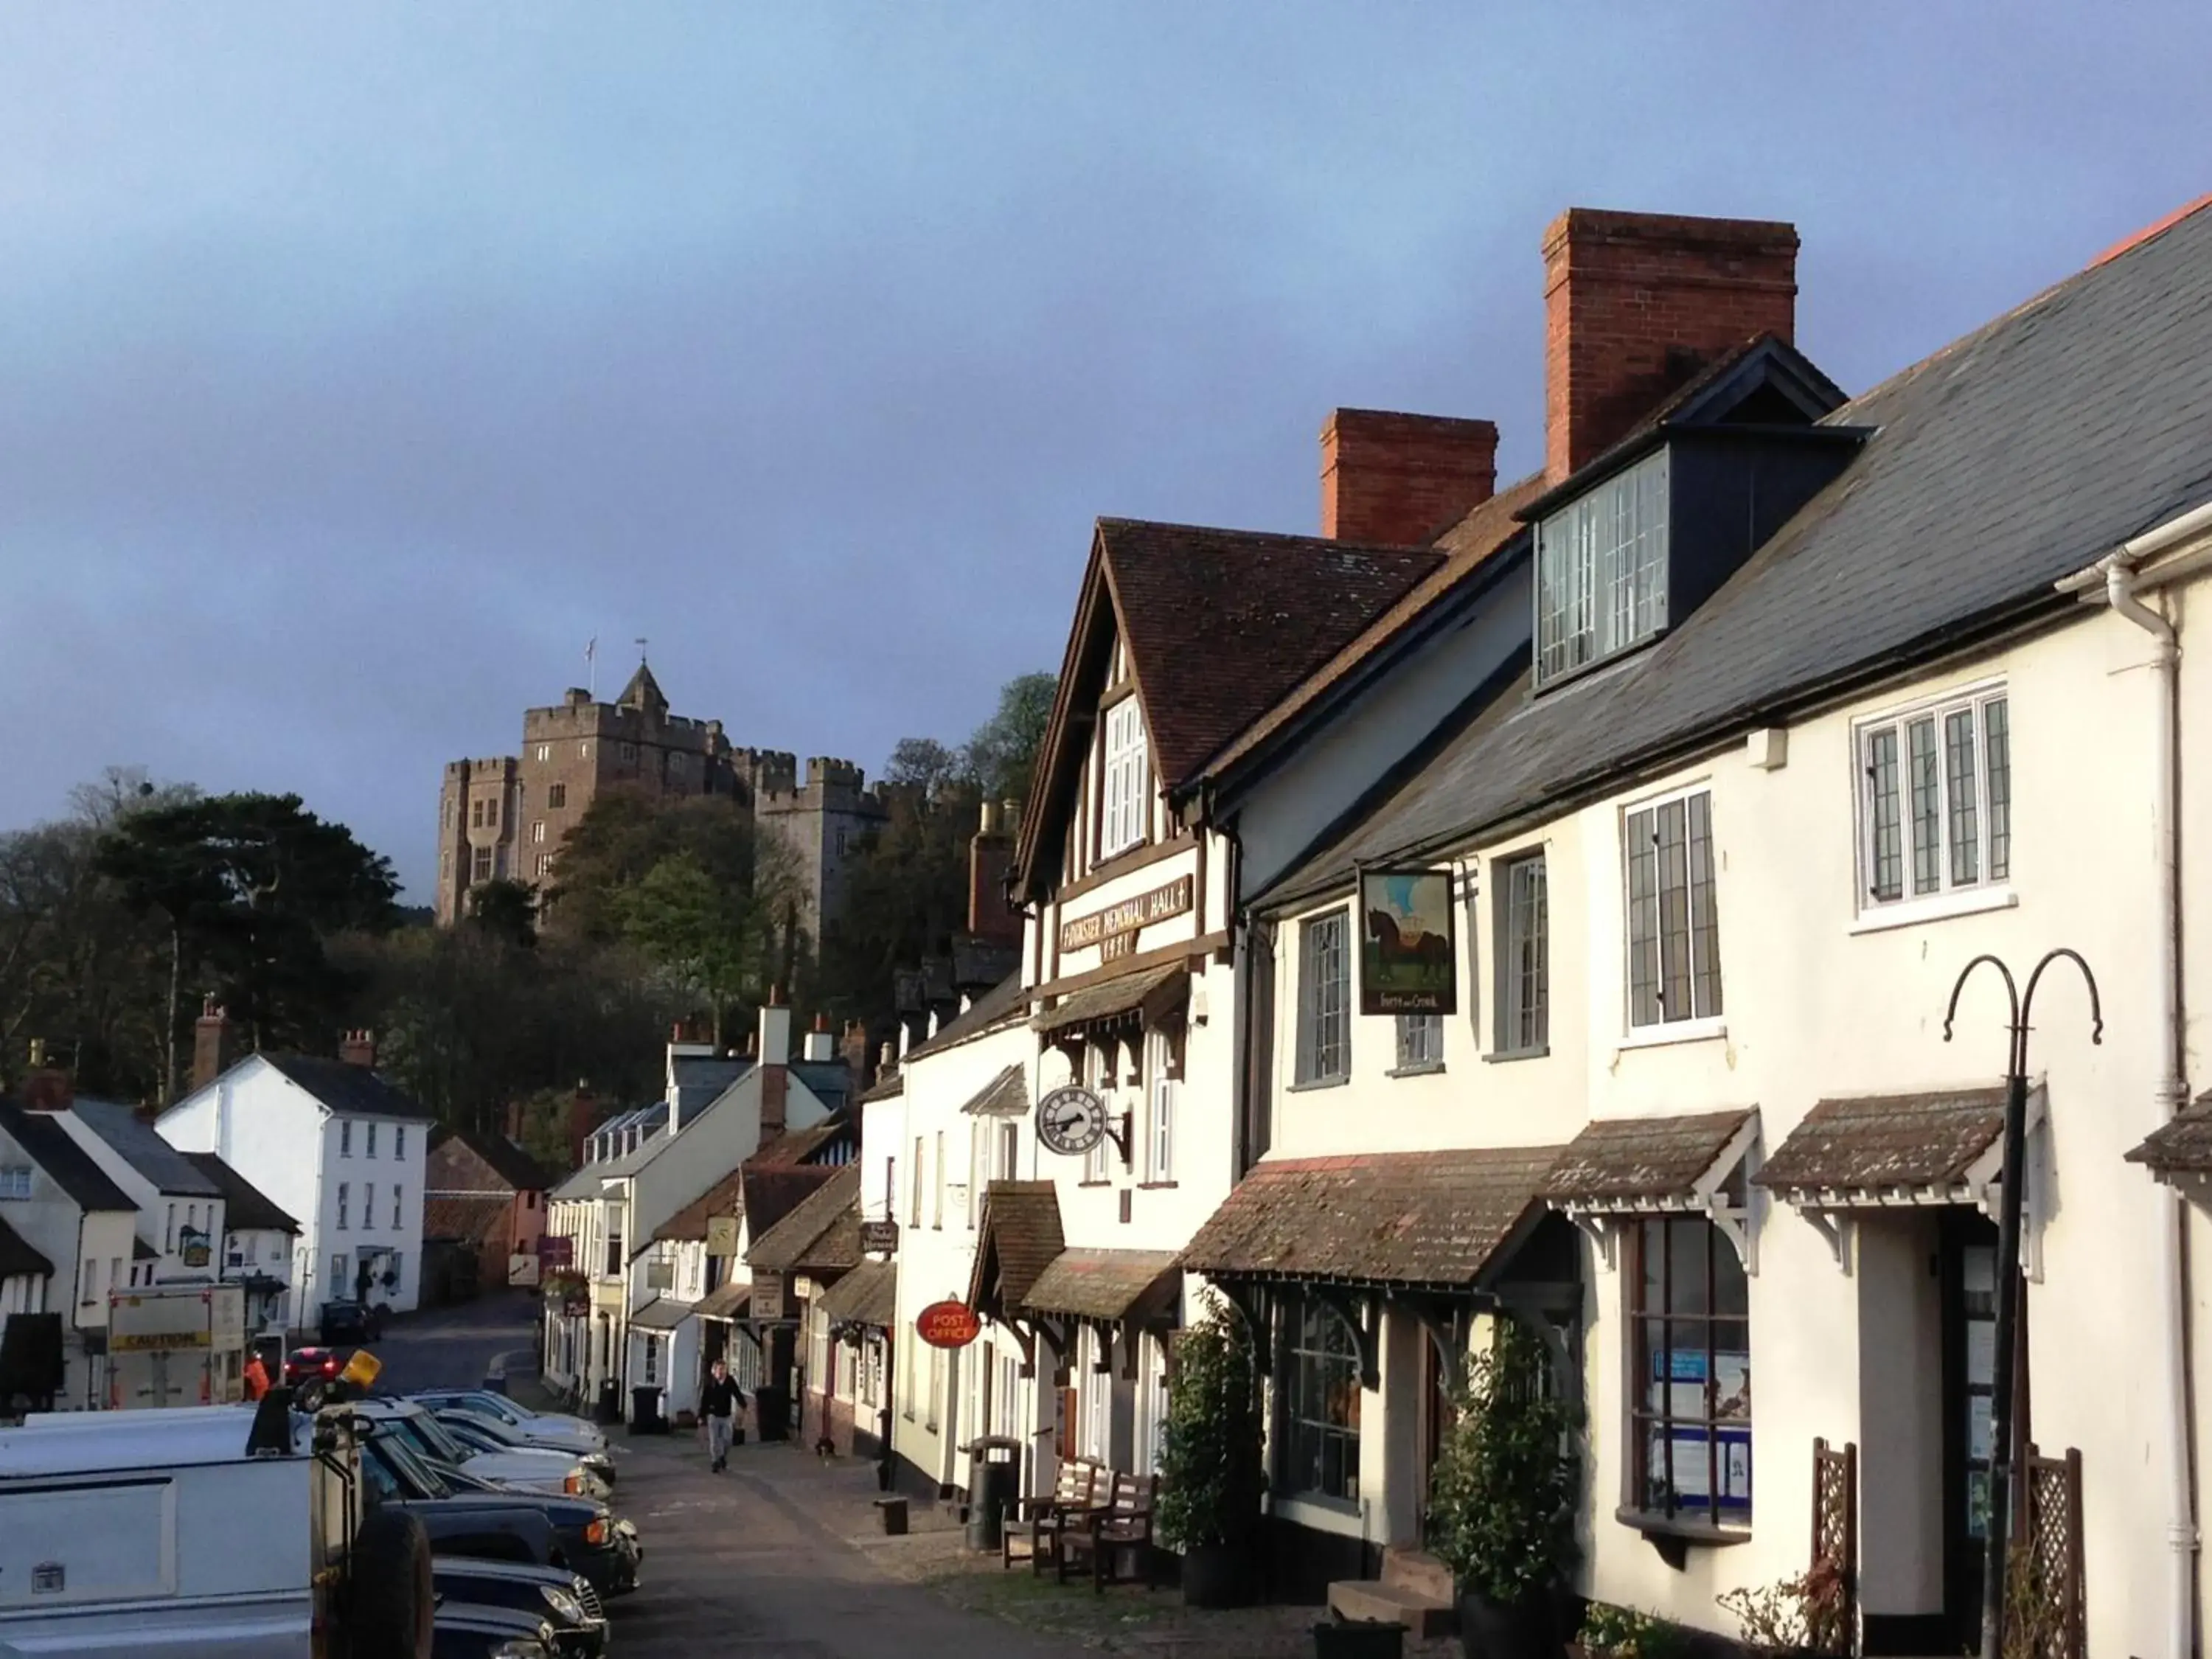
x=1494, y=1630
x=1359, y=1638
x=1215, y=1576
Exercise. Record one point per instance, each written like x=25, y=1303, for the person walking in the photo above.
x=719, y=1400
x=257, y=1377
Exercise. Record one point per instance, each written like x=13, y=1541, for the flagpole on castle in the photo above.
x=591, y=667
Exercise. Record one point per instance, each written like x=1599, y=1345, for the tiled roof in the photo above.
x=1954, y=521
x=1434, y=1217
x=1000, y=1005
x=509, y=1162
x=805, y=1145
x=137, y=1142
x=142, y=1251
x=1930, y=1138
x=663, y=1313
x=475, y=1220
x=1630, y=1159
x=2183, y=1146
x=726, y=1301
x=1154, y=993
x=18, y=1257
x=1019, y=1237
x=772, y=1191
x=246, y=1207
x=66, y=1163
x=725, y=1197
x=822, y=1232
x=866, y=1296
x=1006, y=1095
x=887, y=1088
x=350, y=1091
x=1105, y=1284
x=1223, y=624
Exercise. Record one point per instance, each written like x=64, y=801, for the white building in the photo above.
x=258, y=1244
x=180, y=1208
x=334, y=1145
x=56, y=1200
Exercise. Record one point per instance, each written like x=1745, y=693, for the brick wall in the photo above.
x=1400, y=478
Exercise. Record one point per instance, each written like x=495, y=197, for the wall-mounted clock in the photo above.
x=1071, y=1120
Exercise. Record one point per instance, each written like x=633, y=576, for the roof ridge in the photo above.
x=1281, y=537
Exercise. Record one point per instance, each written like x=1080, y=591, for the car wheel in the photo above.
x=389, y=1601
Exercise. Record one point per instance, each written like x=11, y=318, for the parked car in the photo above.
x=590, y=1541
x=351, y=1322
x=463, y=1630
x=534, y=1468
x=563, y=1599
x=490, y=1434
x=541, y=1428
x=315, y=1365
x=515, y=1534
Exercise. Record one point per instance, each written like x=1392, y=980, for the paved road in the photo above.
x=455, y=1348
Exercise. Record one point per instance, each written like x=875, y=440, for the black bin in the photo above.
x=645, y=1410
x=772, y=1412
x=994, y=1469
x=608, y=1409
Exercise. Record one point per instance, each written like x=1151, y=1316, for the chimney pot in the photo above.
x=210, y=1044
x=358, y=1048
x=1402, y=479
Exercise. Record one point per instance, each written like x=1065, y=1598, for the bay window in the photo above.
x=1320, y=1446
x=1690, y=1390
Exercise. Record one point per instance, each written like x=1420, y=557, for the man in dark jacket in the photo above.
x=718, y=1400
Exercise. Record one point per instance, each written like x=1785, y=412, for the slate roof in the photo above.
x=509, y=1162
x=888, y=1088
x=66, y=1163
x=663, y=1313
x=2005, y=461
x=822, y=1233
x=2183, y=1146
x=1153, y=993
x=831, y=1081
x=1431, y=1217
x=1931, y=1137
x=1105, y=1284
x=1018, y=1236
x=139, y=1144
x=1631, y=1158
x=18, y=1256
x=246, y=1207
x=725, y=1197
x=142, y=1251
x=727, y=1301
x=472, y=1220
x=866, y=1296
x=1006, y=1095
x=772, y=1191
x=350, y=1091
x=1002, y=1004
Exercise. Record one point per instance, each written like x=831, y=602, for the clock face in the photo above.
x=1071, y=1120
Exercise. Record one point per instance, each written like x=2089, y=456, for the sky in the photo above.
x=359, y=364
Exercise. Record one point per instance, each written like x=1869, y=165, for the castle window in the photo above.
x=627, y=752
x=557, y=797
x=480, y=865
x=545, y=751
x=583, y=751
x=476, y=815
x=537, y=831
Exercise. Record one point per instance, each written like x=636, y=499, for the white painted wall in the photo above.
x=163, y=1218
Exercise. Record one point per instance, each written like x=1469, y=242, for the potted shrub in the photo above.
x=1211, y=1475
x=1502, y=1501
x=1611, y=1632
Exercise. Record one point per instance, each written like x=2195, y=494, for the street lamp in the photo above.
x=2001, y=1473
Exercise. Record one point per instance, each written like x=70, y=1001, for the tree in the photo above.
x=714, y=937
x=624, y=834
x=924, y=763
x=506, y=910
x=1002, y=753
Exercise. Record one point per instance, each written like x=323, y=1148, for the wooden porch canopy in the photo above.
x=1006, y=1095
x=1429, y=1230
x=1141, y=997
x=866, y=1296
x=726, y=1302
x=1016, y=1240
x=1881, y=1151
x=1627, y=1166
x=1119, y=1294
x=661, y=1315
x=2183, y=1148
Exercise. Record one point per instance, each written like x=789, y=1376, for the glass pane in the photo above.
x=1674, y=999
x=1690, y=1243
x=1927, y=806
x=1651, y=1248
x=1885, y=830
x=1642, y=920
x=1731, y=1292
x=1731, y=1371
x=1704, y=927
x=1963, y=792
x=1996, y=733
x=1650, y=1366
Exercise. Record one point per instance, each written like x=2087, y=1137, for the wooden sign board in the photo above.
x=554, y=1251
x=878, y=1237
x=1128, y=916
x=1408, y=959
x=721, y=1235
x=768, y=1298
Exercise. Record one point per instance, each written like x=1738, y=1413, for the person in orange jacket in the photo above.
x=257, y=1377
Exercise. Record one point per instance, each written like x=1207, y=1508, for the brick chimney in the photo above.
x=818, y=1043
x=210, y=1044
x=990, y=856
x=580, y=1124
x=1400, y=478
x=855, y=1050
x=358, y=1048
x=1635, y=304
x=774, y=1057
x=47, y=1088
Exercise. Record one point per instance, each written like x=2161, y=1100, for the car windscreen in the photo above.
x=412, y=1470
x=475, y=1431
x=432, y=1437
x=497, y=1429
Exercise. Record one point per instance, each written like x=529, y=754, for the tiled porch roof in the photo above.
x=866, y=1296
x=1629, y=1160
x=663, y=1313
x=821, y=1234
x=1006, y=1095
x=1436, y=1217
x=1105, y=1284
x=2183, y=1146
x=726, y=1301
x=1018, y=1238
x=1930, y=1138
x=1152, y=994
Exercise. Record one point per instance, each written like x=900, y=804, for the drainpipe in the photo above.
x=2113, y=579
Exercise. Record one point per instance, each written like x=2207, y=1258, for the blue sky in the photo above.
x=357, y=364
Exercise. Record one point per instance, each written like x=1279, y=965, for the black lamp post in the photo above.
x=2001, y=1473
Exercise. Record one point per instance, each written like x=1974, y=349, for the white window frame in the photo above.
x=1124, y=821
x=369, y=1148
x=15, y=1181
x=1097, y=1402
x=368, y=1207
x=1163, y=1088
x=345, y=1192
x=345, y=1137
x=1101, y=1071
x=914, y=1212
x=1420, y=1044
x=399, y=1205
x=936, y=1185
x=1707, y=1009
x=1596, y=592
x=399, y=1141
x=1322, y=1001
x=1950, y=892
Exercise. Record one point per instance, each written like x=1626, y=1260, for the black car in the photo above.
x=350, y=1323
x=563, y=1599
x=463, y=1630
x=586, y=1529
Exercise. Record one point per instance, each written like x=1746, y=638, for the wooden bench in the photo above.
x=1080, y=1487
x=1122, y=1527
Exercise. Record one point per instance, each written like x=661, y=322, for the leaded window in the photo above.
x=1420, y=1041
x=1691, y=1391
x=1674, y=935
x=1321, y=1452
x=1936, y=800
x=1324, y=1000
x=1523, y=957
x=1601, y=570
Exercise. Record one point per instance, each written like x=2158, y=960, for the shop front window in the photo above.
x=1322, y=1448
x=1691, y=1388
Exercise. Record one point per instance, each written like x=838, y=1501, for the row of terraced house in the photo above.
x=1544, y=902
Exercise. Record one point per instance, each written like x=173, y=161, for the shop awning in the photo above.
x=1149, y=997
x=1623, y=1164
x=2183, y=1147
x=1106, y=1284
x=1438, y=1219
x=663, y=1313
x=1006, y=1095
x=1926, y=1146
x=866, y=1296
x=726, y=1302
x=1018, y=1238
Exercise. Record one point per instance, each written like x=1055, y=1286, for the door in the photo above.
x=1969, y=1268
x=1436, y=1416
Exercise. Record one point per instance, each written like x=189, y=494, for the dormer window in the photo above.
x=1601, y=570
x=1129, y=779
